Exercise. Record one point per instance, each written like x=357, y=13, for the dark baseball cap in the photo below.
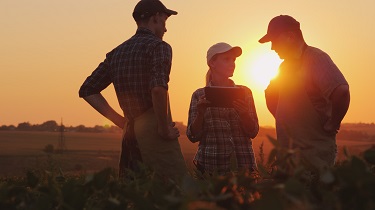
x=278, y=25
x=148, y=8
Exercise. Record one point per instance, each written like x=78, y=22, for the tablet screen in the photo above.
x=223, y=96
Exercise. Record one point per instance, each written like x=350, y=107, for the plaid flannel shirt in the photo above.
x=223, y=133
x=134, y=68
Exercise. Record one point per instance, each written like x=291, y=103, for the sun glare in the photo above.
x=261, y=67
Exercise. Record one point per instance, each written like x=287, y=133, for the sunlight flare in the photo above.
x=261, y=66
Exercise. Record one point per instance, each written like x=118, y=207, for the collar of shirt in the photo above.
x=232, y=84
x=142, y=30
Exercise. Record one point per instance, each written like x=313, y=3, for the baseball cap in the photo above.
x=222, y=47
x=148, y=8
x=278, y=25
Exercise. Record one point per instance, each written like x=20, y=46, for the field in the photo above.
x=90, y=152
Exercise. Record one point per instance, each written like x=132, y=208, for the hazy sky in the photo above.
x=48, y=48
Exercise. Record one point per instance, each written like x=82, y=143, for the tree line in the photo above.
x=53, y=126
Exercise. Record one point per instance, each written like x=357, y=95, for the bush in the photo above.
x=278, y=185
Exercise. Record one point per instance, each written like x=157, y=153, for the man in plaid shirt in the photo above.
x=139, y=69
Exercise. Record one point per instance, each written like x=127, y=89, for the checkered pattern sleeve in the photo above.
x=97, y=81
x=252, y=114
x=193, y=112
x=161, y=65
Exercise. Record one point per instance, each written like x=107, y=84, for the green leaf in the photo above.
x=273, y=141
x=272, y=156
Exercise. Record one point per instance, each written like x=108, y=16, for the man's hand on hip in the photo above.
x=170, y=132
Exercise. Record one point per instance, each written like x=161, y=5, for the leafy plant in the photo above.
x=282, y=182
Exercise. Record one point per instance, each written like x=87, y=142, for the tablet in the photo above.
x=223, y=96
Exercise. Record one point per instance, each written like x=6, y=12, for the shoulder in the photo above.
x=160, y=47
x=198, y=92
x=313, y=54
x=245, y=88
x=163, y=45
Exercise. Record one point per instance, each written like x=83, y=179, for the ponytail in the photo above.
x=208, y=77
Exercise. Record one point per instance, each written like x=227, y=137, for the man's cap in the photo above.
x=278, y=25
x=147, y=8
x=222, y=47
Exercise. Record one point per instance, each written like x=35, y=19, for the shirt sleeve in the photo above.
x=193, y=112
x=271, y=94
x=252, y=132
x=97, y=81
x=161, y=65
x=326, y=75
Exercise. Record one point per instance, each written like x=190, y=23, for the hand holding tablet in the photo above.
x=223, y=96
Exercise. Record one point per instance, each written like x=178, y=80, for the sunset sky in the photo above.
x=48, y=48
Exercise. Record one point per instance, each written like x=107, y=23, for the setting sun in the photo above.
x=38, y=48
x=261, y=66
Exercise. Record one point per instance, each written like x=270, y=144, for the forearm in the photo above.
x=272, y=97
x=197, y=125
x=249, y=125
x=160, y=105
x=100, y=104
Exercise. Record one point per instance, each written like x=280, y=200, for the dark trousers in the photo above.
x=130, y=153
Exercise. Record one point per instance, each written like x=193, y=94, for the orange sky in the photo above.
x=48, y=48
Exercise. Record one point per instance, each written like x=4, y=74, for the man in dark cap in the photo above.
x=310, y=96
x=139, y=69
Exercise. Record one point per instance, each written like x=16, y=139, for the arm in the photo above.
x=160, y=105
x=248, y=116
x=90, y=92
x=332, y=84
x=198, y=106
x=272, y=97
x=197, y=124
x=100, y=104
x=340, y=99
x=249, y=123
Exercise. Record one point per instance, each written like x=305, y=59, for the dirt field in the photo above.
x=89, y=152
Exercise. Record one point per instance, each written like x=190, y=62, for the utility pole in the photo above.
x=61, y=147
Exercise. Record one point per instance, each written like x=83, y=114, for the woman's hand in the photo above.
x=202, y=105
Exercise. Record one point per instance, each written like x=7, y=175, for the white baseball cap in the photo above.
x=222, y=47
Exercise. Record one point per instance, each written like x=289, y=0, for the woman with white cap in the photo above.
x=224, y=134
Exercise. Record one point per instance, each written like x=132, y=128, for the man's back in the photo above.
x=134, y=67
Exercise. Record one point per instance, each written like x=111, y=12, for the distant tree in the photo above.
x=4, y=128
x=50, y=125
x=114, y=129
x=7, y=128
x=11, y=127
x=99, y=129
x=25, y=126
x=81, y=128
x=352, y=135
